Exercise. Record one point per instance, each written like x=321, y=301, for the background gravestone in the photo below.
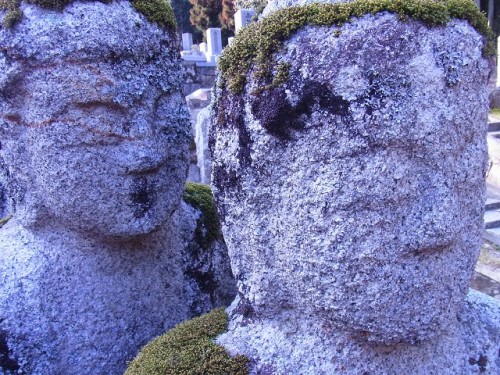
x=243, y=17
x=348, y=168
x=214, y=43
x=187, y=41
x=101, y=254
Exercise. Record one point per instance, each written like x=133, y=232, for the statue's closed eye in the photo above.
x=98, y=104
x=105, y=117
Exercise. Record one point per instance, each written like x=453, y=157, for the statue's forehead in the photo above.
x=83, y=32
x=92, y=82
x=67, y=75
x=55, y=85
x=323, y=115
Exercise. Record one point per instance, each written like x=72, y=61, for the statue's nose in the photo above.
x=145, y=164
x=145, y=155
x=432, y=224
x=438, y=217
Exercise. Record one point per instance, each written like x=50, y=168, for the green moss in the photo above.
x=208, y=227
x=495, y=112
x=282, y=73
x=188, y=349
x=5, y=220
x=156, y=11
x=255, y=46
x=13, y=13
x=11, y=18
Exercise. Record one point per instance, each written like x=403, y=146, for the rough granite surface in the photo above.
x=209, y=281
x=352, y=196
x=72, y=305
x=99, y=256
x=312, y=347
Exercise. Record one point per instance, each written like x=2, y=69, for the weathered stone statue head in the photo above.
x=93, y=125
x=101, y=254
x=349, y=174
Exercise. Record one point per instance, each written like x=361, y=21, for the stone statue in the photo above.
x=94, y=140
x=351, y=195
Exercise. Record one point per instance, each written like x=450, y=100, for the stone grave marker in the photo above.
x=214, y=43
x=242, y=18
x=187, y=41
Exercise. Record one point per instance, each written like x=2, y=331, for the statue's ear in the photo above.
x=11, y=97
x=15, y=174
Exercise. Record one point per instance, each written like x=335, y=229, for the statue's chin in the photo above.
x=101, y=230
x=134, y=230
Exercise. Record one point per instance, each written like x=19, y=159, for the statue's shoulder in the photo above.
x=481, y=306
x=480, y=330
x=15, y=244
x=10, y=231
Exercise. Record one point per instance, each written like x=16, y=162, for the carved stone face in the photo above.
x=100, y=165
x=359, y=203
x=100, y=127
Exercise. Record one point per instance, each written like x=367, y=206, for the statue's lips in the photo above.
x=146, y=168
x=431, y=246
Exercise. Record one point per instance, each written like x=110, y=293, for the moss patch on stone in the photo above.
x=5, y=220
x=255, y=46
x=188, y=349
x=13, y=13
x=156, y=11
x=200, y=197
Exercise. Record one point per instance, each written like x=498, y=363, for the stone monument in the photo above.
x=101, y=254
x=243, y=17
x=214, y=44
x=348, y=168
x=187, y=41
